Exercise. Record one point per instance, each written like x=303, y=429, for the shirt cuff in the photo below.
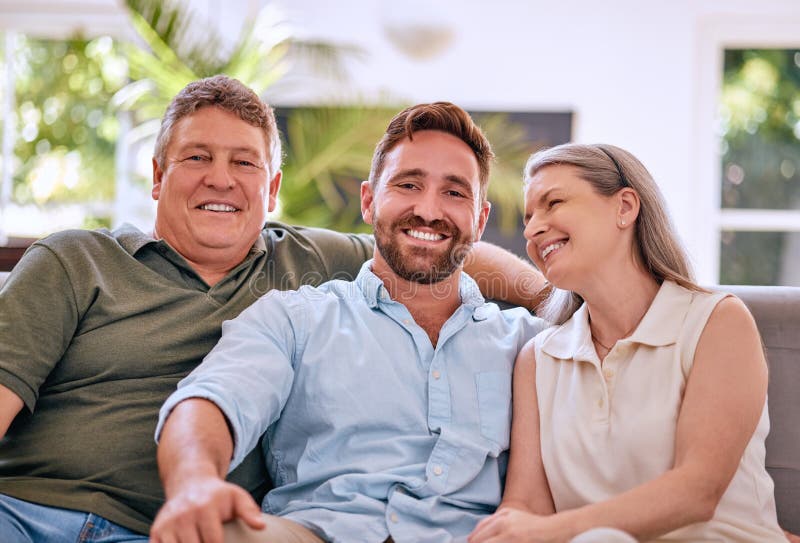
x=190, y=392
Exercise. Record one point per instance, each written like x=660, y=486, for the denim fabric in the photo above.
x=373, y=431
x=26, y=522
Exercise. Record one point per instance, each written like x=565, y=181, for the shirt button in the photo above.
x=437, y=470
x=406, y=321
x=436, y=374
x=393, y=517
x=608, y=373
x=600, y=402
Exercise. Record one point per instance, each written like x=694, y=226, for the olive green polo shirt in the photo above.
x=96, y=330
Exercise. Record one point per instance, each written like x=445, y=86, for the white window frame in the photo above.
x=715, y=34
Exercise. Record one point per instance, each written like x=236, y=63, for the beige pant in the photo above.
x=603, y=535
x=278, y=530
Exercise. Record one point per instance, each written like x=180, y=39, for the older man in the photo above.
x=97, y=328
x=386, y=400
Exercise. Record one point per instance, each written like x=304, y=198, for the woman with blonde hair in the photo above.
x=643, y=412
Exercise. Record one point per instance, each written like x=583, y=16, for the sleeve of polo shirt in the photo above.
x=38, y=318
x=249, y=373
x=341, y=254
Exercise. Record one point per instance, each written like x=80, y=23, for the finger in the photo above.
x=186, y=532
x=248, y=510
x=485, y=529
x=210, y=528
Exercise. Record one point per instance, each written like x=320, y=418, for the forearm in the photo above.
x=501, y=275
x=680, y=497
x=195, y=441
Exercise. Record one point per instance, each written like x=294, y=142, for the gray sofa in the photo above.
x=777, y=312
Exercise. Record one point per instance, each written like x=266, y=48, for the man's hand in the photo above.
x=196, y=513
x=791, y=537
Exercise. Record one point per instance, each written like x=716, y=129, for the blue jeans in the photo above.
x=26, y=522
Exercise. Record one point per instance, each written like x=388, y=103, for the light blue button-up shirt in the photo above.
x=372, y=431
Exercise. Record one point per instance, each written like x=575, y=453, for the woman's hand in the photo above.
x=509, y=525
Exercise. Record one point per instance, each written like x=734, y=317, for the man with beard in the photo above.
x=386, y=400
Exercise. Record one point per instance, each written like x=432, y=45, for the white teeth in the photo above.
x=217, y=207
x=425, y=235
x=552, y=247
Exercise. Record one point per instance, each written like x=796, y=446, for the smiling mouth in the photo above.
x=219, y=208
x=424, y=236
x=550, y=248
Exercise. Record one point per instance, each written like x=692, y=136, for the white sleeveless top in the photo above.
x=607, y=429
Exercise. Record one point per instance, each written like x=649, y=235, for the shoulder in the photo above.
x=520, y=316
x=729, y=318
x=317, y=250
x=330, y=293
x=310, y=237
x=71, y=250
x=68, y=241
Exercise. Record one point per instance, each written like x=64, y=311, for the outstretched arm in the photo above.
x=723, y=402
x=193, y=456
x=502, y=275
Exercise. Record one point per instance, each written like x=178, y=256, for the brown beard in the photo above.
x=402, y=261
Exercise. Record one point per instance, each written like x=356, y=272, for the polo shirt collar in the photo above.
x=659, y=327
x=132, y=240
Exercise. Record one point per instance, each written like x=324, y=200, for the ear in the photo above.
x=274, y=187
x=483, y=218
x=367, y=199
x=158, y=175
x=629, y=204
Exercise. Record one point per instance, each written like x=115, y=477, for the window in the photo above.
x=747, y=222
x=59, y=132
x=760, y=154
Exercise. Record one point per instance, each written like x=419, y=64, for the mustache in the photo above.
x=414, y=221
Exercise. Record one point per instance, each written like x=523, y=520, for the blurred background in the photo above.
x=705, y=92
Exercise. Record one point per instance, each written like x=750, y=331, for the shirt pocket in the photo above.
x=494, y=405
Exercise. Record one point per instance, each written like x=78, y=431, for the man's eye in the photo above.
x=245, y=163
x=196, y=158
x=553, y=203
x=455, y=193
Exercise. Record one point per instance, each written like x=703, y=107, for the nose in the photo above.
x=219, y=176
x=427, y=206
x=534, y=228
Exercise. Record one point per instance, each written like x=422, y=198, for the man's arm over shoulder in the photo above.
x=502, y=275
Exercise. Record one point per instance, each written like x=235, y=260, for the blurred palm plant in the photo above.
x=174, y=53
